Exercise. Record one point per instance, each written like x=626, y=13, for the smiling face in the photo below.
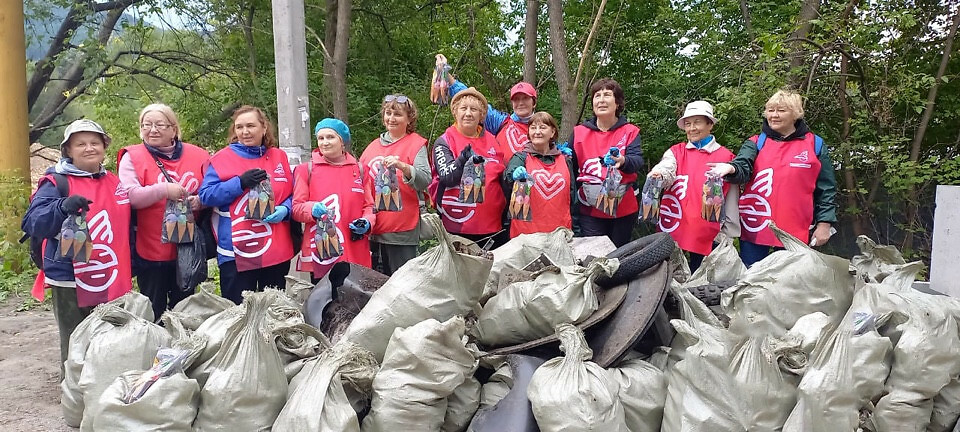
x=604, y=103
x=330, y=144
x=156, y=129
x=781, y=118
x=697, y=127
x=249, y=129
x=541, y=135
x=468, y=115
x=523, y=104
x=87, y=150
x=396, y=121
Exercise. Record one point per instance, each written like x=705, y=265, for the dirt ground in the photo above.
x=29, y=370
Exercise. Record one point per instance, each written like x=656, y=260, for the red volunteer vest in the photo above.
x=340, y=188
x=406, y=150
x=590, y=145
x=681, y=202
x=187, y=171
x=784, y=177
x=483, y=218
x=256, y=244
x=512, y=137
x=107, y=275
x=549, y=197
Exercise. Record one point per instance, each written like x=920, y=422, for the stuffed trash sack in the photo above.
x=523, y=249
x=161, y=398
x=528, y=310
x=463, y=403
x=317, y=400
x=573, y=394
x=439, y=284
x=422, y=367
x=723, y=264
x=246, y=387
x=128, y=343
x=643, y=391
x=201, y=306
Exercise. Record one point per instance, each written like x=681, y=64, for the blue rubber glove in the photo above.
x=614, y=151
x=564, y=148
x=520, y=173
x=608, y=161
x=279, y=214
x=318, y=210
x=360, y=226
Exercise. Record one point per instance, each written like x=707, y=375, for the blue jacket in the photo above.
x=43, y=219
x=495, y=118
x=220, y=194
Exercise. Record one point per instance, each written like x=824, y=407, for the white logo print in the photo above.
x=453, y=209
x=802, y=157
x=374, y=166
x=549, y=185
x=280, y=172
x=516, y=139
x=312, y=233
x=670, y=210
x=188, y=180
x=247, y=234
x=754, y=207
x=592, y=168
x=101, y=271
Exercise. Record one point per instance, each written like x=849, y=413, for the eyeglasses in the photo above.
x=159, y=126
x=396, y=97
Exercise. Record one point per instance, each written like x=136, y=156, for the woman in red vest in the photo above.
x=79, y=185
x=331, y=185
x=788, y=179
x=466, y=141
x=683, y=169
x=253, y=254
x=143, y=178
x=602, y=142
x=395, y=237
x=551, y=170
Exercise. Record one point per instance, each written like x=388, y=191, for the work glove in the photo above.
x=252, y=177
x=520, y=173
x=564, y=148
x=72, y=204
x=477, y=159
x=467, y=153
x=609, y=160
x=279, y=214
x=358, y=228
x=319, y=209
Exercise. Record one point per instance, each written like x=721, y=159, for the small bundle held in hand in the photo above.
x=260, y=201
x=75, y=244
x=611, y=192
x=711, y=205
x=386, y=189
x=178, y=223
x=650, y=199
x=328, y=242
x=520, y=201
x=472, y=181
x=439, y=84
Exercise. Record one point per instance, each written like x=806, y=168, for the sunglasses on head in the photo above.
x=396, y=97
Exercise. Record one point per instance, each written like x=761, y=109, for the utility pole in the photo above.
x=14, y=135
x=290, y=57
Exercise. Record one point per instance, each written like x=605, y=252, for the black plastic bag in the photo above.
x=191, y=265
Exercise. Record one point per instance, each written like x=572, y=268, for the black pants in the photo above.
x=68, y=314
x=618, y=230
x=390, y=256
x=158, y=281
x=695, y=261
x=234, y=283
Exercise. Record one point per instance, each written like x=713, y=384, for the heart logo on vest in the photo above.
x=515, y=138
x=101, y=271
x=670, y=210
x=754, y=207
x=549, y=185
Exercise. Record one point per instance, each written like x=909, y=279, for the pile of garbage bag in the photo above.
x=461, y=339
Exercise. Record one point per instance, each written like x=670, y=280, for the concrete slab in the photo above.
x=945, y=255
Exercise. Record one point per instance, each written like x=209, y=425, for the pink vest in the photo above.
x=187, y=171
x=406, y=150
x=589, y=145
x=681, y=202
x=483, y=218
x=549, y=197
x=512, y=137
x=784, y=178
x=257, y=244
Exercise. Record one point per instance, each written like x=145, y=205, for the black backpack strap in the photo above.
x=62, y=184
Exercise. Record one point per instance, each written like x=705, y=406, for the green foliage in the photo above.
x=17, y=271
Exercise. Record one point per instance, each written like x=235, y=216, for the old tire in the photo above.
x=637, y=256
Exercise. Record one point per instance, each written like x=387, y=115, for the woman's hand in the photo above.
x=194, y=202
x=175, y=191
x=721, y=169
x=821, y=234
x=655, y=174
x=394, y=162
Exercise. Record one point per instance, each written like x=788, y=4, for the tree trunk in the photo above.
x=340, y=52
x=808, y=11
x=925, y=121
x=45, y=67
x=849, y=178
x=251, y=48
x=586, y=46
x=745, y=11
x=329, y=46
x=530, y=42
x=561, y=66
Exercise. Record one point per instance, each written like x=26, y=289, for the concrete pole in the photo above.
x=290, y=57
x=14, y=134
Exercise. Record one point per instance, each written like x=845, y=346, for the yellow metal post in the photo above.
x=14, y=128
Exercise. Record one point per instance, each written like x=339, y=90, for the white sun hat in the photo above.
x=696, y=108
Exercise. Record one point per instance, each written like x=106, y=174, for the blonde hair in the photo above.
x=469, y=97
x=167, y=112
x=786, y=98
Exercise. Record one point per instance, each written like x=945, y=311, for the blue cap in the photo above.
x=338, y=126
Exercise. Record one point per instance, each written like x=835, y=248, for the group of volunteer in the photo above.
x=369, y=206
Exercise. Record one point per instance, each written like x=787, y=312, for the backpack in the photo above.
x=36, y=243
x=817, y=142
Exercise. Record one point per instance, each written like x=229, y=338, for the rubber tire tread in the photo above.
x=709, y=294
x=637, y=256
